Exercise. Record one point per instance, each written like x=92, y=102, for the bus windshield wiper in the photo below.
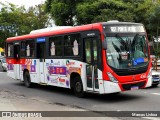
x=135, y=36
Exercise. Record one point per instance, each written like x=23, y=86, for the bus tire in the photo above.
x=78, y=87
x=27, y=80
x=3, y=69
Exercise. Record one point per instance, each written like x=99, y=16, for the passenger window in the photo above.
x=55, y=45
x=30, y=48
x=10, y=50
x=23, y=49
x=72, y=45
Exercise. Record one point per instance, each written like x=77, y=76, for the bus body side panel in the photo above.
x=17, y=71
x=32, y=66
x=101, y=82
x=12, y=68
x=10, y=71
x=58, y=71
x=84, y=76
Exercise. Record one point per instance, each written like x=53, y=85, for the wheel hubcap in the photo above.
x=78, y=87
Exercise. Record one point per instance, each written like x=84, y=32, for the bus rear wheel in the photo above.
x=78, y=87
x=27, y=80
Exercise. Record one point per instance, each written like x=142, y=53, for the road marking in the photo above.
x=155, y=93
x=152, y=118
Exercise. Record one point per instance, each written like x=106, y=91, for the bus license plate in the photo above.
x=134, y=87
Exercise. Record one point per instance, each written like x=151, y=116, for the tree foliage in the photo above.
x=77, y=12
x=154, y=22
x=103, y=10
x=62, y=11
x=19, y=21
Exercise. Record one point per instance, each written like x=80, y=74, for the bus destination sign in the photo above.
x=124, y=29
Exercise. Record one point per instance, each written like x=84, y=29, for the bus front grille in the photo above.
x=130, y=86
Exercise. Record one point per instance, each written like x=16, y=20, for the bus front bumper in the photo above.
x=111, y=87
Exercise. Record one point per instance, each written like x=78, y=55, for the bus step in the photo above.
x=42, y=83
x=90, y=91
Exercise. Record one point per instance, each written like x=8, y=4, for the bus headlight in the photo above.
x=112, y=78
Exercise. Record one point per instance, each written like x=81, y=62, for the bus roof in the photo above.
x=55, y=32
x=66, y=30
x=49, y=29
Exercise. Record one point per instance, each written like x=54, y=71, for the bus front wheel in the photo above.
x=27, y=80
x=78, y=87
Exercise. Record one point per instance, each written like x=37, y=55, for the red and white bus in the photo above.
x=102, y=58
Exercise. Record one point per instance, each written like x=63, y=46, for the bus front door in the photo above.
x=17, y=60
x=91, y=51
x=41, y=58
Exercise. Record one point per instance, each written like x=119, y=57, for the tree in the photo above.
x=76, y=12
x=154, y=26
x=19, y=21
x=63, y=12
x=154, y=21
x=103, y=10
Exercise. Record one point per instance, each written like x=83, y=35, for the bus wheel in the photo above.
x=78, y=87
x=27, y=80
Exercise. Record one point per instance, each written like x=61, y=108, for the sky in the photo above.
x=26, y=3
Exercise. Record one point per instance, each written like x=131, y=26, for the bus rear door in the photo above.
x=17, y=60
x=41, y=55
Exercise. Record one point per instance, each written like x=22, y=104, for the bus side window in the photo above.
x=10, y=50
x=30, y=48
x=72, y=45
x=23, y=49
x=55, y=46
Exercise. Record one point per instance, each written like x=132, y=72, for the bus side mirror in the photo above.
x=104, y=45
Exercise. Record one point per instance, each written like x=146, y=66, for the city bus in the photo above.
x=97, y=58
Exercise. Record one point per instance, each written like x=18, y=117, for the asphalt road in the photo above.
x=137, y=100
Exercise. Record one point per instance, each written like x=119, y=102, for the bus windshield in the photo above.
x=128, y=51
